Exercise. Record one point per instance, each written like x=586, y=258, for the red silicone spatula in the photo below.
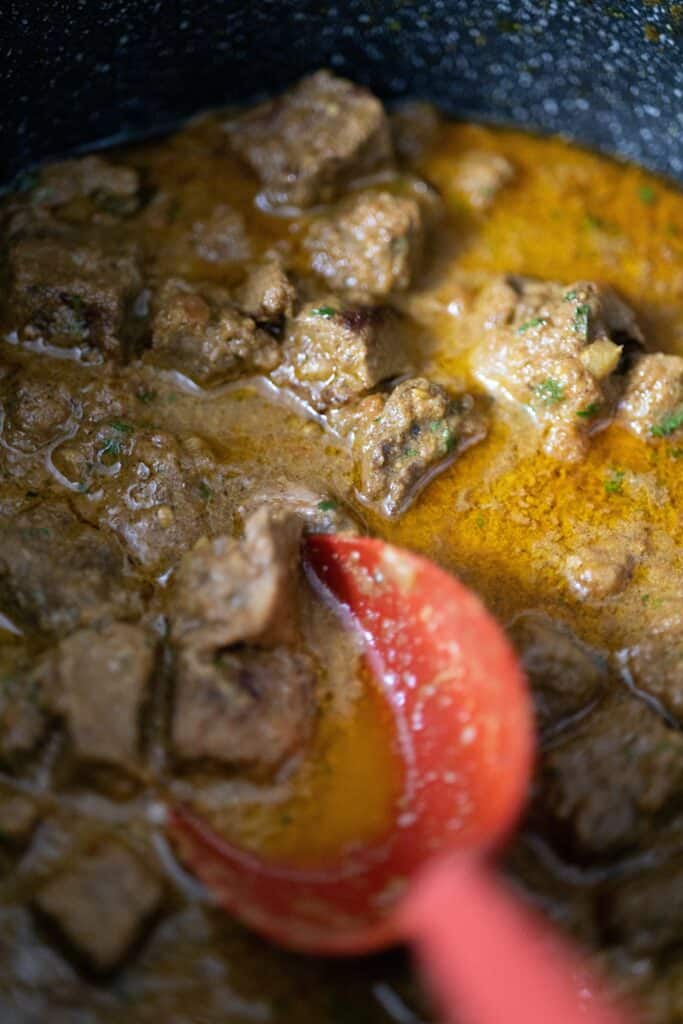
x=464, y=724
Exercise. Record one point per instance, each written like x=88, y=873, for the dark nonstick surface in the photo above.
x=77, y=72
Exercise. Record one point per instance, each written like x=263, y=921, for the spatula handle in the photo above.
x=488, y=959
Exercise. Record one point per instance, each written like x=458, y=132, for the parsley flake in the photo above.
x=647, y=194
x=614, y=481
x=329, y=505
x=550, y=391
x=536, y=321
x=581, y=316
x=327, y=312
x=587, y=413
x=669, y=424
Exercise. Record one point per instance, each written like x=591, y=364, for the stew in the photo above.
x=316, y=315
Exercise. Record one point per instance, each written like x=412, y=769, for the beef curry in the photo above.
x=318, y=316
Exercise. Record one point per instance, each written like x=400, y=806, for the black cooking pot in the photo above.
x=74, y=73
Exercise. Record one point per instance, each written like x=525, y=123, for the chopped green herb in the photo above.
x=448, y=438
x=550, y=391
x=587, y=413
x=123, y=428
x=571, y=295
x=325, y=311
x=669, y=424
x=647, y=194
x=205, y=490
x=112, y=446
x=614, y=481
x=536, y=321
x=328, y=505
x=581, y=316
x=410, y=453
x=676, y=453
x=146, y=396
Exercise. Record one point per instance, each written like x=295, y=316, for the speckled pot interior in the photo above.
x=609, y=73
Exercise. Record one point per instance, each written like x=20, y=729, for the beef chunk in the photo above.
x=480, y=175
x=34, y=411
x=101, y=903
x=556, y=350
x=241, y=707
x=159, y=507
x=231, y=591
x=23, y=723
x=608, y=783
x=414, y=129
x=97, y=681
x=599, y=572
x=68, y=294
x=221, y=237
x=267, y=295
x=655, y=666
x=112, y=187
x=57, y=573
x=652, y=405
x=199, y=331
x=646, y=913
x=18, y=818
x=333, y=353
x=565, y=675
x=405, y=436
x=308, y=143
x=372, y=244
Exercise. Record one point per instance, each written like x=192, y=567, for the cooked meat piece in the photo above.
x=480, y=175
x=199, y=331
x=333, y=353
x=371, y=244
x=18, y=818
x=229, y=591
x=565, y=675
x=613, y=778
x=72, y=294
x=646, y=914
x=308, y=143
x=113, y=187
x=241, y=707
x=221, y=237
x=600, y=572
x=34, y=411
x=655, y=666
x=406, y=436
x=57, y=573
x=414, y=128
x=101, y=903
x=267, y=294
x=652, y=405
x=159, y=505
x=23, y=723
x=557, y=350
x=319, y=513
x=97, y=681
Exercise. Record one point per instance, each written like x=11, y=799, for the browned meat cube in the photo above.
x=333, y=353
x=404, y=438
x=565, y=675
x=646, y=913
x=72, y=295
x=23, y=723
x=308, y=143
x=229, y=591
x=221, y=237
x=57, y=573
x=652, y=406
x=112, y=187
x=480, y=175
x=414, y=128
x=267, y=294
x=655, y=666
x=613, y=778
x=35, y=410
x=558, y=351
x=372, y=244
x=97, y=681
x=241, y=707
x=101, y=904
x=199, y=331
x=18, y=817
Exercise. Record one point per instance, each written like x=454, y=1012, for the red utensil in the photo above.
x=465, y=731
